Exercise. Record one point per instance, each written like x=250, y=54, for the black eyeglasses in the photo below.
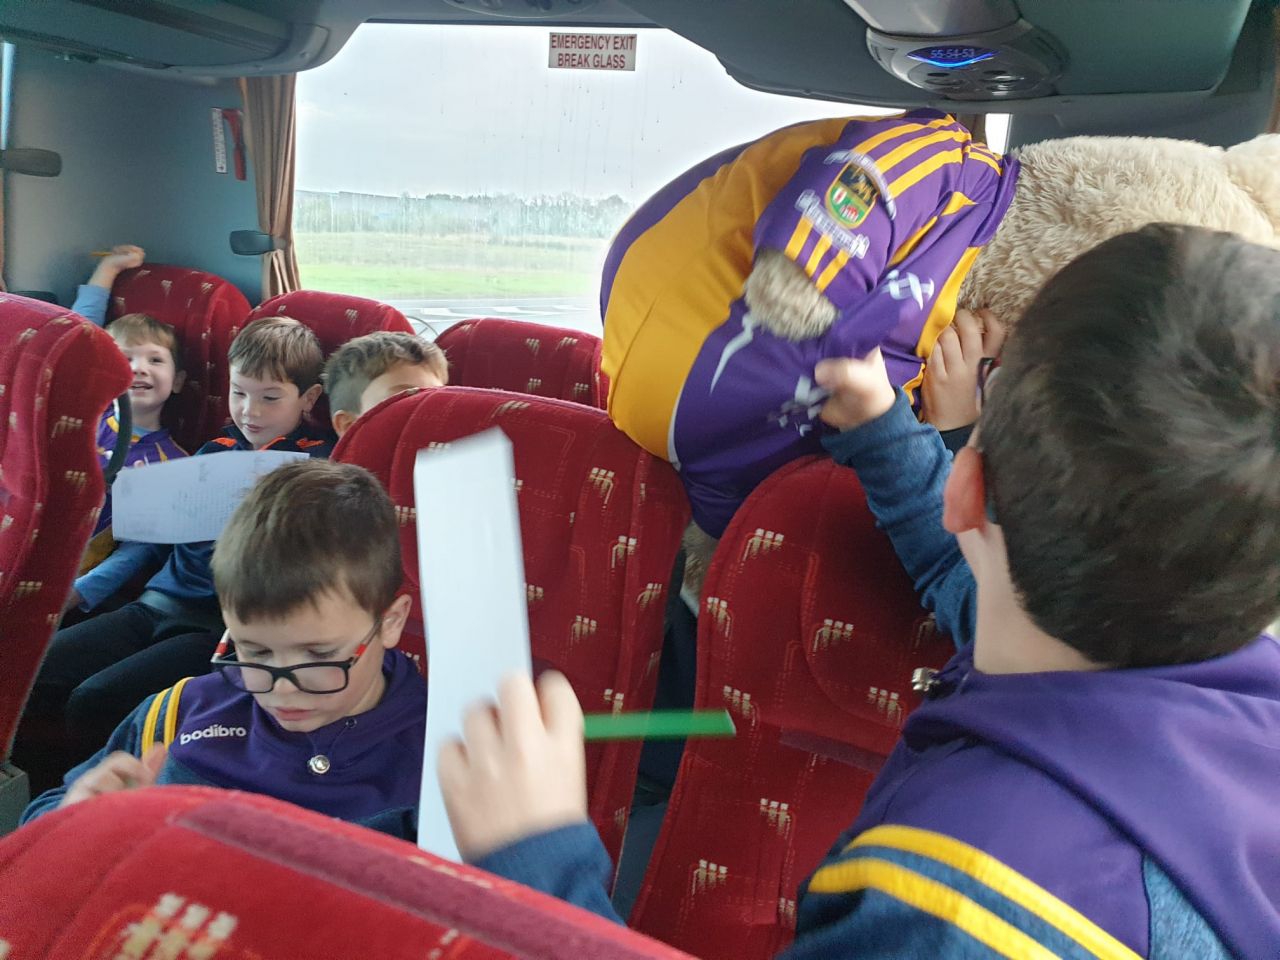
x=319, y=676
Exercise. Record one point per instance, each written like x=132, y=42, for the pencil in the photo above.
x=659, y=725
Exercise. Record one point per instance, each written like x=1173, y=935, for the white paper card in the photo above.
x=471, y=567
x=188, y=500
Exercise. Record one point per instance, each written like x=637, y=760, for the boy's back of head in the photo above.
x=376, y=360
x=1132, y=448
x=278, y=348
x=306, y=529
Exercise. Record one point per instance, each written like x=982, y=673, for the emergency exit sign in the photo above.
x=592, y=51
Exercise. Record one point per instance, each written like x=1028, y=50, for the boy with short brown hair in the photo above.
x=311, y=703
x=367, y=370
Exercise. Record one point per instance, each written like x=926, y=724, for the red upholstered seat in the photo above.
x=201, y=874
x=206, y=312
x=525, y=358
x=601, y=522
x=335, y=318
x=58, y=373
x=809, y=634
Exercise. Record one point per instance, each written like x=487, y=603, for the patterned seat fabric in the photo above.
x=526, y=358
x=199, y=874
x=335, y=318
x=206, y=312
x=58, y=373
x=809, y=634
x=601, y=522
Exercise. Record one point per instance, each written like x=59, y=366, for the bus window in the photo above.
x=431, y=181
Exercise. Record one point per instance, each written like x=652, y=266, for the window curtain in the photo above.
x=270, y=136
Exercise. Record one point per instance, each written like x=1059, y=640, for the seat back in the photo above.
x=206, y=312
x=199, y=873
x=525, y=358
x=335, y=318
x=601, y=522
x=58, y=373
x=809, y=634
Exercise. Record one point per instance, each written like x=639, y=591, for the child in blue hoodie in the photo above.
x=309, y=701
x=1094, y=776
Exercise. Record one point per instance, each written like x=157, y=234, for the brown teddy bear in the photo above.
x=830, y=238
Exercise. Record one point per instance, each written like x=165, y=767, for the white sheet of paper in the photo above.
x=187, y=500
x=471, y=567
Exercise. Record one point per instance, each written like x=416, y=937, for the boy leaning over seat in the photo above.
x=310, y=703
x=1095, y=775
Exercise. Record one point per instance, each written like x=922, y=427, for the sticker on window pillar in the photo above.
x=592, y=51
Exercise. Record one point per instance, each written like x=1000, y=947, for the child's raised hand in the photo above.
x=119, y=771
x=949, y=393
x=522, y=769
x=125, y=256
x=860, y=390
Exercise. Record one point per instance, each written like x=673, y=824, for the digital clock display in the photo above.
x=949, y=58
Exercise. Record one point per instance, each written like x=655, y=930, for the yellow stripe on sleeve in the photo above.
x=988, y=160
x=957, y=203
x=941, y=315
x=931, y=897
x=910, y=243
x=815, y=258
x=922, y=170
x=149, y=724
x=171, y=711
x=798, y=237
x=914, y=146
x=1003, y=879
x=832, y=270
x=886, y=135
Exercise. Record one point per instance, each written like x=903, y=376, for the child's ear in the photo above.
x=179, y=381
x=394, y=619
x=965, y=497
x=310, y=396
x=342, y=421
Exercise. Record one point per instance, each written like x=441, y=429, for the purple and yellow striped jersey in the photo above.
x=885, y=215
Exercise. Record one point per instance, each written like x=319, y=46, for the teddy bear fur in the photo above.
x=1071, y=195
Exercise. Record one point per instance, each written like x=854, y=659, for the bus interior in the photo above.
x=455, y=169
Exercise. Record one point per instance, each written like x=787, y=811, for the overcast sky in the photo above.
x=468, y=110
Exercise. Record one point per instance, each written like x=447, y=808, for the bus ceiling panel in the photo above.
x=148, y=32
x=819, y=48
x=573, y=13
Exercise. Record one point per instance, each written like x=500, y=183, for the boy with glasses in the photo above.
x=309, y=701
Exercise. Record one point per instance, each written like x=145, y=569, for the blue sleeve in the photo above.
x=91, y=303
x=123, y=564
x=903, y=468
x=127, y=737
x=569, y=863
